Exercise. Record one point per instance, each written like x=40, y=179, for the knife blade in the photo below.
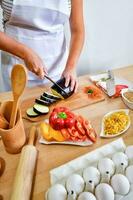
x=47, y=77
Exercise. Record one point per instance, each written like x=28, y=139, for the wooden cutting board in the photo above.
x=78, y=100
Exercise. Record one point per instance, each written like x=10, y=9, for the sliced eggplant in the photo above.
x=51, y=96
x=42, y=102
x=40, y=109
x=48, y=99
x=58, y=92
x=31, y=113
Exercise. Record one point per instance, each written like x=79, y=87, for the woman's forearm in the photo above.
x=76, y=45
x=32, y=61
x=12, y=46
x=77, y=33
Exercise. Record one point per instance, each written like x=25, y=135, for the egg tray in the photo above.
x=62, y=174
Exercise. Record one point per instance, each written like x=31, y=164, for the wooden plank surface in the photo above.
x=56, y=155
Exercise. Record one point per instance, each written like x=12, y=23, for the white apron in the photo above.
x=39, y=25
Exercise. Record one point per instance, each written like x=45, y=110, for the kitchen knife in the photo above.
x=47, y=77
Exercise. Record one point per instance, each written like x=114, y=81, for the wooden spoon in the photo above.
x=18, y=80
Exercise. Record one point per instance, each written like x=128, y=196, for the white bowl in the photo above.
x=103, y=135
x=126, y=101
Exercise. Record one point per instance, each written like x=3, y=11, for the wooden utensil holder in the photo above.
x=14, y=138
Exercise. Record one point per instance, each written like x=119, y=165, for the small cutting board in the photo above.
x=78, y=100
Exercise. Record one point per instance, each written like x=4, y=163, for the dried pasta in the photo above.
x=115, y=123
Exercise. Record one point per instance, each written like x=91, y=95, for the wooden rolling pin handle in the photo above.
x=32, y=135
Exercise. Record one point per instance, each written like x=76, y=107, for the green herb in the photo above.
x=90, y=91
x=104, y=79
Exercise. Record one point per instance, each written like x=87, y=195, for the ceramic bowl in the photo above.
x=103, y=135
x=124, y=98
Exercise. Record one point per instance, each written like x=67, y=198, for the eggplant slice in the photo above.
x=50, y=101
x=31, y=113
x=42, y=102
x=51, y=96
x=58, y=92
x=40, y=109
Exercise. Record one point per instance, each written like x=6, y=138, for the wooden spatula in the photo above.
x=18, y=81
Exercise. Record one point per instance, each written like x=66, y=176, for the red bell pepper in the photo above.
x=118, y=89
x=61, y=118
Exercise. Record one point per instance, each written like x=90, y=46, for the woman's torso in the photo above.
x=7, y=8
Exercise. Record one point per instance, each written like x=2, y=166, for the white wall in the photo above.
x=109, y=35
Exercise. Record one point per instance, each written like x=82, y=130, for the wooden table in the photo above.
x=56, y=155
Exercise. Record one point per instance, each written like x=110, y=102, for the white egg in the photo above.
x=129, y=153
x=120, y=184
x=118, y=197
x=106, y=168
x=106, y=164
x=121, y=162
x=129, y=173
x=91, y=177
x=86, y=196
x=72, y=195
x=104, y=192
x=56, y=192
x=91, y=174
x=75, y=183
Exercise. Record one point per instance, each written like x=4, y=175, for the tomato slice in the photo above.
x=74, y=133
x=91, y=134
x=65, y=134
x=79, y=127
x=89, y=131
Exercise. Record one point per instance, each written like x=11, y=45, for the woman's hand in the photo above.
x=71, y=78
x=34, y=63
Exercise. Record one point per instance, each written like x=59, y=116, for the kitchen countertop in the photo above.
x=53, y=156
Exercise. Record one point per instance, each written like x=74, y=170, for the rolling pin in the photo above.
x=25, y=171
